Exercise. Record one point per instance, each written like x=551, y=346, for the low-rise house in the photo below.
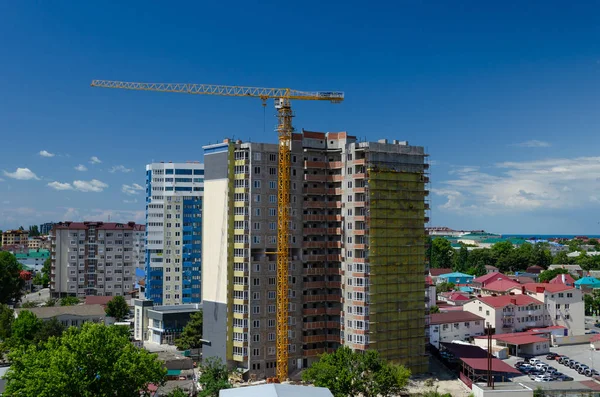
x=34, y=258
x=500, y=287
x=574, y=270
x=454, y=298
x=434, y=273
x=563, y=305
x=534, y=276
x=508, y=313
x=535, y=269
x=564, y=279
x=455, y=278
x=478, y=283
x=523, y=279
x=454, y=326
x=519, y=343
x=161, y=324
x=587, y=283
x=491, y=269
x=71, y=315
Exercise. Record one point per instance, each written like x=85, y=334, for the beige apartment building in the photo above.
x=15, y=237
x=94, y=258
x=358, y=211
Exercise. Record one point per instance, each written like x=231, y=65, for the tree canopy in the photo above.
x=11, y=284
x=6, y=319
x=441, y=253
x=548, y=275
x=214, y=376
x=117, y=307
x=349, y=373
x=192, y=333
x=94, y=360
x=69, y=301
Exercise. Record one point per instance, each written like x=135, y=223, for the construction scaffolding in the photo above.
x=397, y=260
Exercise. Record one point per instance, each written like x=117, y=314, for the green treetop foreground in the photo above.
x=91, y=361
x=348, y=373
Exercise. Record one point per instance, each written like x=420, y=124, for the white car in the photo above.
x=534, y=361
x=542, y=378
x=541, y=366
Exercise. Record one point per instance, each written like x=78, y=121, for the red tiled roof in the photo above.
x=502, y=285
x=535, y=269
x=455, y=296
x=100, y=226
x=453, y=317
x=505, y=300
x=523, y=339
x=532, y=287
x=439, y=271
x=482, y=364
x=488, y=278
x=563, y=279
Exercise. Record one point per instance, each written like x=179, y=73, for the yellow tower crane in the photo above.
x=282, y=97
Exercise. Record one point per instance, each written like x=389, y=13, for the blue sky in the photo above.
x=504, y=98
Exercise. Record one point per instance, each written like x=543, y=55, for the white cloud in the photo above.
x=95, y=160
x=60, y=186
x=120, y=168
x=132, y=189
x=81, y=167
x=90, y=186
x=130, y=201
x=22, y=174
x=78, y=214
x=533, y=143
x=522, y=186
x=45, y=153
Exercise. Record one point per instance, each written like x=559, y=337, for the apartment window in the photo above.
x=272, y=171
x=256, y=352
x=272, y=157
x=256, y=338
x=271, y=323
x=569, y=294
x=561, y=295
x=271, y=294
x=256, y=282
x=256, y=211
x=272, y=184
x=257, y=156
x=349, y=225
x=271, y=350
x=487, y=312
x=349, y=184
x=271, y=308
x=349, y=198
x=256, y=324
x=256, y=225
x=256, y=239
x=257, y=198
x=558, y=305
x=256, y=184
x=567, y=316
x=349, y=211
x=272, y=198
x=566, y=306
x=349, y=240
x=272, y=212
x=271, y=336
x=257, y=170
x=255, y=309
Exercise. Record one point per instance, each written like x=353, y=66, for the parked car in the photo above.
x=552, y=356
x=573, y=364
x=564, y=360
x=563, y=378
x=590, y=372
x=580, y=366
x=541, y=366
x=519, y=363
x=581, y=369
x=551, y=370
x=534, y=361
x=543, y=378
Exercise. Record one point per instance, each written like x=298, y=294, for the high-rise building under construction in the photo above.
x=357, y=250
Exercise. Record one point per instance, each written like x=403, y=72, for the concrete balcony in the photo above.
x=318, y=271
x=321, y=325
x=322, y=298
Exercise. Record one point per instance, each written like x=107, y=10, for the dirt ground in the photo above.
x=440, y=378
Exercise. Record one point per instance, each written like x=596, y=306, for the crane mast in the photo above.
x=282, y=97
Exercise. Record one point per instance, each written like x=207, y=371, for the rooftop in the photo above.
x=505, y=300
x=490, y=277
x=190, y=307
x=566, y=279
x=534, y=287
x=439, y=271
x=455, y=274
x=502, y=285
x=100, y=226
x=453, y=317
x=77, y=310
x=455, y=296
x=34, y=253
x=588, y=281
x=482, y=364
x=276, y=390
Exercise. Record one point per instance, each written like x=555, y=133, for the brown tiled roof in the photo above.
x=77, y=310
x=439, y=271
x=453, y=317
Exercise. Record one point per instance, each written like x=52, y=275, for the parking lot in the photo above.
x=581, y=353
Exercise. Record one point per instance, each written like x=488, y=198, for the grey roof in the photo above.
x=276, y=390
x=77, y=310
x=567, y=267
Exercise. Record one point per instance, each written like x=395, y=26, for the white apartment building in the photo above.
x=454, y=326
x=563, y=305
x=174, y=194
x=509, y=313
x=94, y=258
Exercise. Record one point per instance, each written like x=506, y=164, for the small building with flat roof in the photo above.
x=276, y=390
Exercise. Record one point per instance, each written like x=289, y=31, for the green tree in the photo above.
x=349, y=373
x=33, y=231
x=29, y=304
x=178, y=392
x=481, y=257
x=49, y=328
x=461, y=260
x=434, y=309
x=588, y=301
x=51, y=302
x=541, y=256
x=69, y=301
x=6, y=319
x=11, y=284
x=548, y=275
x=46, y=268
x=24, y=329
x=562, y=258
x=117, y=308
x=441, y=253
x=214, y=376
x=444, y=287
x=94, y=360
x=192, y=333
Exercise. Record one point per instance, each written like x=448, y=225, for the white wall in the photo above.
x=454, y=331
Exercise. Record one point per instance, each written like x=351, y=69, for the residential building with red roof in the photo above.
x=518, y=343
x=563, y=305
x=478, y=283
x=454, y=298
x=500, y=287
x=434, y=273
x=454, y=325
x=509, y=313
x=564, y=279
